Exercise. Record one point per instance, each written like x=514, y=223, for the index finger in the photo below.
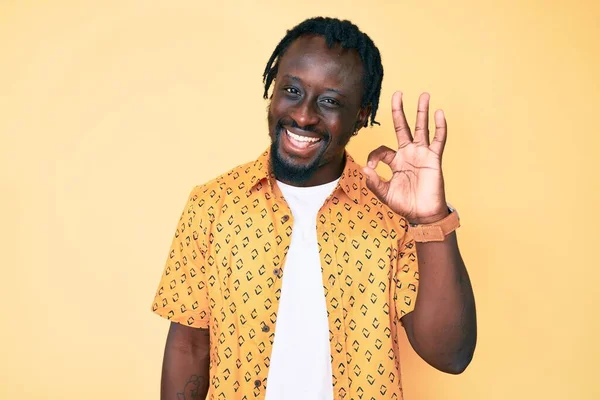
x=400, y=125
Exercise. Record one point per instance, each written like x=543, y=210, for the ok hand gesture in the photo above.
x=416, y=189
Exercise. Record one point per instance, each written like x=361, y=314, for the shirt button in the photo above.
x=266, y=328
x=257, y=383
x=285, y=218
x=276, y=272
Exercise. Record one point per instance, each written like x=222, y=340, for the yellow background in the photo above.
x=111, y=111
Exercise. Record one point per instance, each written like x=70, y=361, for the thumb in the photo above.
x=375, y=184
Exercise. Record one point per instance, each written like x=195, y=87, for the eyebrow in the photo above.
x=297, y=79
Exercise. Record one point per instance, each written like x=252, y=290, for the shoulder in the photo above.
x=381, y=211
x=234, y=182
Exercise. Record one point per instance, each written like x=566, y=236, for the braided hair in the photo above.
x=348, y=36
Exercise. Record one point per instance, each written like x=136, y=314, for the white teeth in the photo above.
x=302, y=138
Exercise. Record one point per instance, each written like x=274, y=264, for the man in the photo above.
x=289, y=277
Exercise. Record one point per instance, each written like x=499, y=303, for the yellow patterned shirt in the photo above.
x=225, y=267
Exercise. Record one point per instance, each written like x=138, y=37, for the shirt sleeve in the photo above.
x=406, y=277
x=182, y=294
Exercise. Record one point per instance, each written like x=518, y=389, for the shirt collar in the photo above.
x=351, y=181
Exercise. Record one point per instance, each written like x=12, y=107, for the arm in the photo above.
x=442, y=328
x=185, y=364
x=182, y=297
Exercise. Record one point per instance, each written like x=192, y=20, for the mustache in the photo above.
x=309, y=128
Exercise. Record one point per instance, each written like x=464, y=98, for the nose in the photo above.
x=305, y=114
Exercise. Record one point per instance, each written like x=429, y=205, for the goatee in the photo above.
x=287, y=171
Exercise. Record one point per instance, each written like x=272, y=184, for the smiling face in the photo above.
x=314, y=110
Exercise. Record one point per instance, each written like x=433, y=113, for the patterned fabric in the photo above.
x=225, y=268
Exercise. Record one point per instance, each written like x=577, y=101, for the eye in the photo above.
x=330, y=102
x=292, y=90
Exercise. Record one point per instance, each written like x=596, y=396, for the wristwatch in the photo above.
x=437, y=231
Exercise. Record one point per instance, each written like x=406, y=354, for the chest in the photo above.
x=248, y=245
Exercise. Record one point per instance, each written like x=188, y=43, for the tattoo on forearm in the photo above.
x=194, y=389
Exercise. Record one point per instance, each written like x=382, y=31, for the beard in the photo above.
x=284, y=168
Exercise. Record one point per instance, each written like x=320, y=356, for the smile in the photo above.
x=302, y=139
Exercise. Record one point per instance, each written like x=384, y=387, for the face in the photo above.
x=314, y=110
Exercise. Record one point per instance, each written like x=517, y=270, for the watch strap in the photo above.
x=437, y=231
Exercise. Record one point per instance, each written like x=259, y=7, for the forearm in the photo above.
x=185, y=372
x=443, y=324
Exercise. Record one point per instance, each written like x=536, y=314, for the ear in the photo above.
x=362, y=120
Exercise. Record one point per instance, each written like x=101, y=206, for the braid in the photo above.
x=349, y=37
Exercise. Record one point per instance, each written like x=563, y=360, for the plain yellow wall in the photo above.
x=111, y=111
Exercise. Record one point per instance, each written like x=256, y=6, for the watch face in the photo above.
x=453, y=210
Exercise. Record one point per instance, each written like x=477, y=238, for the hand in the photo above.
x=416, y=189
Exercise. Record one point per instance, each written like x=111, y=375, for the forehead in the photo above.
x=309, y=58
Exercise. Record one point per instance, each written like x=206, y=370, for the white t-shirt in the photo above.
x=300, y=367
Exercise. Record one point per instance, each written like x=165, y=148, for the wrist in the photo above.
x=435, y=228
x=431, y=219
